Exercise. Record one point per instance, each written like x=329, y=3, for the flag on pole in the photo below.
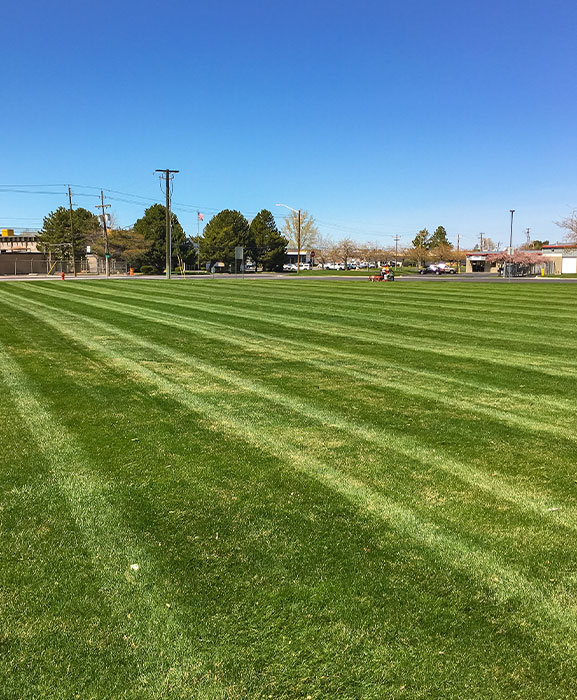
x=200, y=216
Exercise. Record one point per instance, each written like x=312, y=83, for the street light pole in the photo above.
x=511, y=234
x=510, y=264
x=298, y=213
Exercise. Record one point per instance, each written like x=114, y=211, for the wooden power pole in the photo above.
x=72, y=232
x=167, y=178
x=106, y=249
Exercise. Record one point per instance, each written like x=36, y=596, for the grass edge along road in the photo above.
x=497, y=624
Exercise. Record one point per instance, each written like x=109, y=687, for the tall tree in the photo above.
x=439, y=238
x=421, y=245
x=309, y=230
x=124, y=244
x=152, y=227
x=222, y=234
x=55, y=235
x=422, y=239
x=266, y=245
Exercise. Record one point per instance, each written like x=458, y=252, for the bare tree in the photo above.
x=373, y=253
x=309, y=230
x=443, y=252
x=324, y=248
x=570, y=225
x=346, y=248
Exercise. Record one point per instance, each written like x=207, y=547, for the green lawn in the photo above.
x=267, y=489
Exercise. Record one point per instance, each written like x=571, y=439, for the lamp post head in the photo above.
x=286, y=206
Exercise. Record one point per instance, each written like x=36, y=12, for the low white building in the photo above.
x=563, y=256
x=292, y=255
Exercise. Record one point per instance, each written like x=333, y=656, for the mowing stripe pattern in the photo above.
x=427, y=420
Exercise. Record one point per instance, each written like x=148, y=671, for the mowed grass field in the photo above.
x=228, y=489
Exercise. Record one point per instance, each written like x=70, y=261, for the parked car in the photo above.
x=437, y=269
x=446, y=269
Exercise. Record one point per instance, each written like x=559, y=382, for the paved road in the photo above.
x=434, y=279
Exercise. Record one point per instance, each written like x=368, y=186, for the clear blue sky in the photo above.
x=378, y=117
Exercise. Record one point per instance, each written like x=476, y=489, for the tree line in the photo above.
x=143, y=244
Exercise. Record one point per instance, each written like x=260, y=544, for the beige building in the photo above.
x=19, y=255
x=563, y=256
x=24, y=243
x=477, y=262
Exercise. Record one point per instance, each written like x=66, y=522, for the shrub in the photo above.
x=147, y=269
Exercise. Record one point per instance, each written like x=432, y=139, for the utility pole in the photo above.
x=72, y=232
x=458, y=254
x=528, y=234
x=298, y=213
x=481, y=244
x=299, y=242
x=396, y=239
x=198, y=238
x=167, y=178
x=106, y=250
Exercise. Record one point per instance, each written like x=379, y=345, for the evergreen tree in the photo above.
x=152, y=227
x=222, y=234
x=123, y=244
x=439, y=238
x=421, y=245
x=266, y=245
x=55, y=234
x=422, y=240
